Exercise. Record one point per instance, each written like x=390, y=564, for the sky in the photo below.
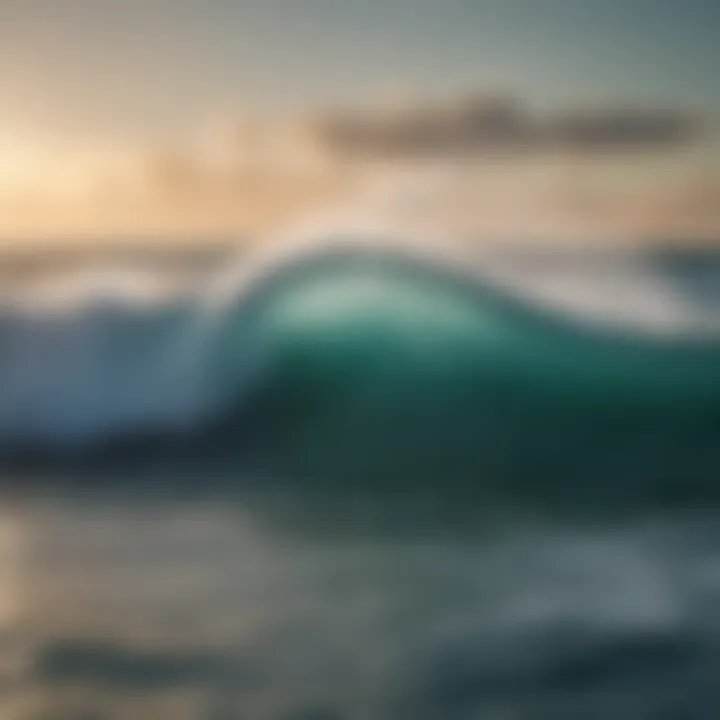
x=111, y=68
x=90, y=78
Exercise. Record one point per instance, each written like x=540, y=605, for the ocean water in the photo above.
x=362, y=480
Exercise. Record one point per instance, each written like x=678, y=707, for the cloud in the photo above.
x=249, y=175
x=623, y=127
x=485, y=122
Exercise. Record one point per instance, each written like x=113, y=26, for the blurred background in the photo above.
x=359, y=360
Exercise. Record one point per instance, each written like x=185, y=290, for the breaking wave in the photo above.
x=354, y=357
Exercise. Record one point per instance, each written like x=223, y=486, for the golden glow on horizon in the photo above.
x=44, y=167
x=245, y=181
x=20, y=165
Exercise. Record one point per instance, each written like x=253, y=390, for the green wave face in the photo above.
x=380, y=367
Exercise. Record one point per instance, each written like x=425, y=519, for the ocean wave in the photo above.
x=368, y=334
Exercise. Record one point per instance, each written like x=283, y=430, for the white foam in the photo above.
x=100, y=366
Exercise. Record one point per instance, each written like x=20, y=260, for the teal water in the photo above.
x=388, y=370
